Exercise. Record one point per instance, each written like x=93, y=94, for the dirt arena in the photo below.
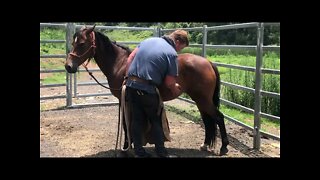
x=92, y=131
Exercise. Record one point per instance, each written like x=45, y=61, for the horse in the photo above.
x=198, y=77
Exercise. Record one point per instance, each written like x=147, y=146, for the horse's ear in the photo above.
x=91, y=29
x=83, y=27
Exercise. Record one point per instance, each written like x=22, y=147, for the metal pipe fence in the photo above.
x=54, y=56
x=258, y=92
x=72, y=83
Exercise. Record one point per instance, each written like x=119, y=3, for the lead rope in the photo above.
x=119, y=117
x=90, y=73
x=119, y=110
x=120, y=120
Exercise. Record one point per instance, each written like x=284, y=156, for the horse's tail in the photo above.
x=216, y=94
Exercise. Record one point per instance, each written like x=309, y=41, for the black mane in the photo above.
x=108, y=41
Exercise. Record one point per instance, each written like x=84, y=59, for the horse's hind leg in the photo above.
x=210, y=132
x=210, y=123
x=223, y=133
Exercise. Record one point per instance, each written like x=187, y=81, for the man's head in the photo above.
x=181, y=39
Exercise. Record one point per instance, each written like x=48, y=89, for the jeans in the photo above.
x=144, y=107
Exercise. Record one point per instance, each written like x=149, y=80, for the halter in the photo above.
x=93, y=41
x=93, y=45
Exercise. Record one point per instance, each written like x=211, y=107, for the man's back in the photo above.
x=155, y=59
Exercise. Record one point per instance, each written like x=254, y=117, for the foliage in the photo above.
x=242, y=36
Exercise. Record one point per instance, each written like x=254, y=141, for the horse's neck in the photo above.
x=111, y=64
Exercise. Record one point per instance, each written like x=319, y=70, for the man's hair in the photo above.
x=180, y=35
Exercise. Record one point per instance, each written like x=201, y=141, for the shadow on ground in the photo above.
x=180, y=153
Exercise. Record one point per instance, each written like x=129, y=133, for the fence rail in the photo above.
x=72, y=83
x=42, y=41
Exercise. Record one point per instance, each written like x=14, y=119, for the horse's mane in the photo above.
x=106, y=40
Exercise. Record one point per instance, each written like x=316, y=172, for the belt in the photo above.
x=137, y=79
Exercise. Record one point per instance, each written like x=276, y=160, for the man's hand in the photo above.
x=177, y=90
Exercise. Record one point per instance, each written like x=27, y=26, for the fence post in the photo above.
x=204, y=41
x=70, y=30
x=257, y=94
x=157, y=32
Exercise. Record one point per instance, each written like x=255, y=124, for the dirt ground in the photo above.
x=92, y=131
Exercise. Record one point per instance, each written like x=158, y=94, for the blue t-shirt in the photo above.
x=154, y=59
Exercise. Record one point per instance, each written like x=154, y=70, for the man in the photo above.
x=151, y=64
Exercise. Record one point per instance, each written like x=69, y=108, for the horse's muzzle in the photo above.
x=70, y=68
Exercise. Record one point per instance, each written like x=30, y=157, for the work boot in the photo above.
x=145, y=155
x=163, y=153
x=141, y=153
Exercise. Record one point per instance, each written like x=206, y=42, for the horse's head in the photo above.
x=83, y=49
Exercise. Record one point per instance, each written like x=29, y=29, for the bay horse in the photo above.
x=198, y=77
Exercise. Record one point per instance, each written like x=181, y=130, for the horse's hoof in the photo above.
x=205, y=147
x=223, y=151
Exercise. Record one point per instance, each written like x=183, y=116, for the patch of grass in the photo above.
x=48, y=107
x=127, y=35
x=191, y=114
x=248, y=118
x=46, y=49
x=55, y=78
x=52, y=63
x=52, y=34
x=270, y=82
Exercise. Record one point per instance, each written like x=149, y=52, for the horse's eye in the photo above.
x=81, y=45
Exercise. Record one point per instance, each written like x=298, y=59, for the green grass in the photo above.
x=126, y=35
x=52, y=48
x=52, y=63
x=55, y=78
x=190, y=113
x=50, y=106
x=52, y=33
x=270, y=60
x=193, y=114
x=248, y=118
x=270, y=82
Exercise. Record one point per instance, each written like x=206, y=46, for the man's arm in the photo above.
x=170, y=87
x=130, y=58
